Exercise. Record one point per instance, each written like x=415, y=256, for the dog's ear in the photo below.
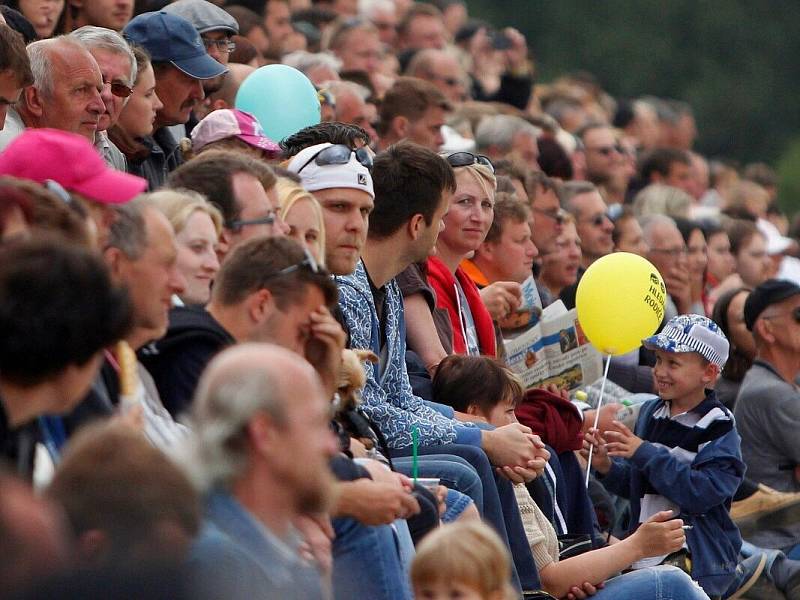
x=367, y=355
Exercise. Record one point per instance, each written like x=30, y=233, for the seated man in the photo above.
x=128, y=505
x=58, y=311
x=767, y=409
x=410, y=199
x=261, y=449
x=258, y=296
x=141, y=255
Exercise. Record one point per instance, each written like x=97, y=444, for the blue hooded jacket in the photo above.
x=702, y=487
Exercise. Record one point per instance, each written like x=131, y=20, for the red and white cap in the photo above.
x=232, y=122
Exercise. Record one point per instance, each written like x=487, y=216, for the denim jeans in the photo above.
x=366, y=562
x=656, y=583
x=500, y=509
x=453, y=472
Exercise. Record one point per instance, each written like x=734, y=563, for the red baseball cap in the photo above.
x=70, y=160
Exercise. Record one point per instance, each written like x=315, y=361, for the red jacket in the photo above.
x=443, y=283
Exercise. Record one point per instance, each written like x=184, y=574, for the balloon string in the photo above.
x=597, y=418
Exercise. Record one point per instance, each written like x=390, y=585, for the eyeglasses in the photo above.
x=450, y=81
x=558, y=215
x=598, y=220
x=309, y=263
x=339, y=154
x=465, y=159
x=225, y=46
x=120, y=90
x=607, y=150
x=672, y=252
x=268, y=219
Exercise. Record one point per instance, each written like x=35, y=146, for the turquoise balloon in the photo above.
x=282, y=98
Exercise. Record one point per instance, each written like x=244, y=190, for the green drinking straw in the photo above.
x=414, y=446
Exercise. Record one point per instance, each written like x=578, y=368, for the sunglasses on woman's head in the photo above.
x=465, y=159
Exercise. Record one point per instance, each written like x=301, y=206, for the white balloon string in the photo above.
x=597, y=418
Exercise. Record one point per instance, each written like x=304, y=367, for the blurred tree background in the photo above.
x=736, y=62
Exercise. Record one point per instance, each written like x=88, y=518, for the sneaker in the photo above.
x=766, y=501
x=747, y=574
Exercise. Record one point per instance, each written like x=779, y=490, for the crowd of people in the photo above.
x=241, y=367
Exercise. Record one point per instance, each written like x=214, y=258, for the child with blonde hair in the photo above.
x=463, y=560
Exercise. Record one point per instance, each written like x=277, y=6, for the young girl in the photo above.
x=462, y=560
x=586, y=573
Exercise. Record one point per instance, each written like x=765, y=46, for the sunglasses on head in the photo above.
x=309, y=263
x=465, y=159
x=339, y=154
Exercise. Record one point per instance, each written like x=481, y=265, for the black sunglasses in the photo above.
x=465, y=159
x=339, y=154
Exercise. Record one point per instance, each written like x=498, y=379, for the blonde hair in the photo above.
x=178, y=205
x=289, y=193
x=483, y=175
x=468, y=553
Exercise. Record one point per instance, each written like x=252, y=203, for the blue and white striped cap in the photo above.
x=692, y=333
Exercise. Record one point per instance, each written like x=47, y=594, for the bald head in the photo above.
x=225, y=97
x=249, y=378
x=261, y=422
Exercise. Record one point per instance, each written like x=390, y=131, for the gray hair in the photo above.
x=649, y=223
x=228, y=396
x=347, y=87
x=569, y=190
x=658, y=198
x=500, y=131
x=40, y=54
x=369, y=8
x=106, y=39
x=305, y=61
x=128, y=232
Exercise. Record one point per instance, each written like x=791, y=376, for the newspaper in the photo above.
x=555, y=350
x=528, y=312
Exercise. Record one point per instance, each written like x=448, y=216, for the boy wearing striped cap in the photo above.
x=683, y=455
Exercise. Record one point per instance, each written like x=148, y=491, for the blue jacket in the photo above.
x=387, y=398
x=702, y=488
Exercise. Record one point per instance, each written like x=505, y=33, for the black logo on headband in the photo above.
x=362, y=179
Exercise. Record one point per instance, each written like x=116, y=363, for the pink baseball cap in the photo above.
x=71, y=161
x=229, y=122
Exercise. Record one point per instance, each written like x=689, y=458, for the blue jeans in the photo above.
x=453, y=472
x=366, y=563
x=500, y=509
x=656, y=583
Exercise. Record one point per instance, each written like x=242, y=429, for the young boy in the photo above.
x=684, y=454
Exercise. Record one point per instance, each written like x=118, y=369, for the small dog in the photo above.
x=352, y=380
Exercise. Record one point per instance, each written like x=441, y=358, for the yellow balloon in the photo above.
x=620, y=301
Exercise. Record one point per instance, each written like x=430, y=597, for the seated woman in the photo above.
x=197, y=224
x=302, y=213
x=466, y=225
x=697, y=255
x=560, y=268
x=135, y=124
x=583, y=574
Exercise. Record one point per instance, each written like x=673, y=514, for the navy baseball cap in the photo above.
x=172, y=39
